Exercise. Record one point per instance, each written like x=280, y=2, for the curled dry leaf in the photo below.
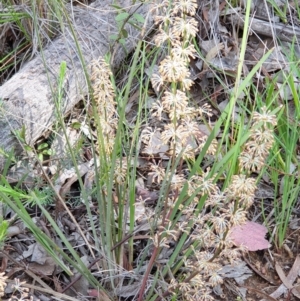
x=45, y=269
x=250, y=235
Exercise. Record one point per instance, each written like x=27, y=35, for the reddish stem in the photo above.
x=156, y=249
x=149, y=268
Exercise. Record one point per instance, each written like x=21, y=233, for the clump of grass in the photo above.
x=198, y=203
x=27, y=26
x=224, y=210
x=211, y=211
x=285, y=160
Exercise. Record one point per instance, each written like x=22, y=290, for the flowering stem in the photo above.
x=155, y=252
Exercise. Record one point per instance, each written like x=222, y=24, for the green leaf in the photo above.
x=113, y=37
x=122, y=42
x=124, y=33
x=22, y=133
x=49, y=152
x=3, y=230
x=27, y=148
x=139, y=18
x=122, y=16
x=62, y=73
x=76, y=125
x=43, y=146
x=116, y=6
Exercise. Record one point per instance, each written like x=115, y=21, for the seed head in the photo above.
x=266, y=118
x=220, y=223
x=241, y=185
x=184, y=52
x=3, y=283
x=204, y=184
x=157, y=81
x=173, y=69
x=177, y=101
x=157, y=109
x=120, y=171
x=164, y=36
x=251, y=162
x=185, y=7
x=215, y=279
x=103, y=89
x=185, y=28
x=157, y=173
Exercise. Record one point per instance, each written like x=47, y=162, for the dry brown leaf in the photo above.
x=212, y=53
x=37, y=253
x=45, y=269
x=291, y=277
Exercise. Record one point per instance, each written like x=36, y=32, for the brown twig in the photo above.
x=259, y=292
x=156, y=249
x=258, y=272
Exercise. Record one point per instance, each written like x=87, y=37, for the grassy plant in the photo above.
x=192, y=195
x=279, y=11
x=199, y=202
x=285, y=165
x=17, y=201
x=3, y=231
x=27, y=26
